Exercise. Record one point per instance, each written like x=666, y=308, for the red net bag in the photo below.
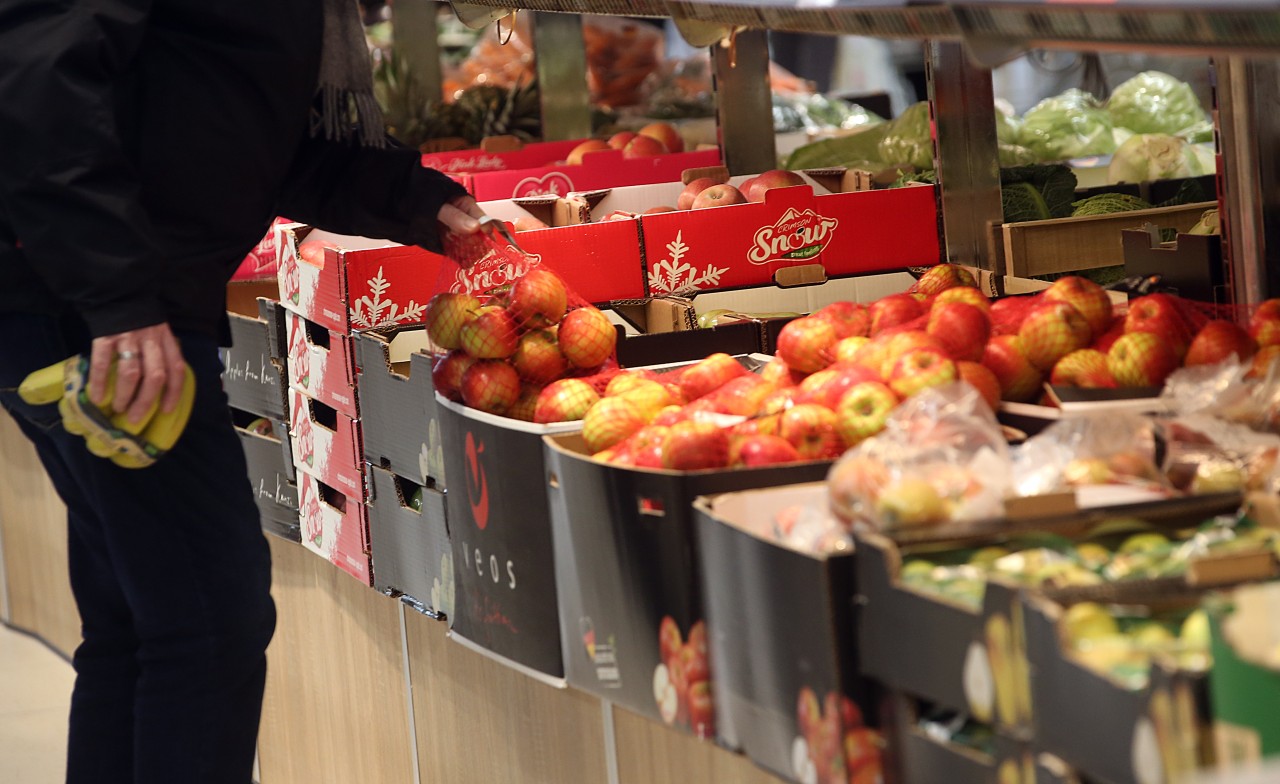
x=506, y=328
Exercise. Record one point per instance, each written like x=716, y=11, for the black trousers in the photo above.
x=171, y=573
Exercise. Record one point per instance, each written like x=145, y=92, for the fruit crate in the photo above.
x=780, y=626
x=326, y=445
x=401, y=428
x=500, y=536
x=1046, y=247
x=947, y=651
x=604, y=169
x=254, y=375
x=322, y=364
x=498, y=153
x=409, y=542
x=269, y=461
x=626, y=564
x=335, y=527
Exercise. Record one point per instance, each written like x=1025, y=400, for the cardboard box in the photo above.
x=326, y=445
x=401, y=431
x=361, y=284
x=1244, y=690
x=322, y=364
x=500, y=533
x=1191, y=266
x=410, y=547
x=922, y=758
x=269, y=461
x=780, y=624
x=501, y=153
x=626, y=562
x=1103, y=729
x=1068, y=244
x=335, y=527
x=254, y=375
x=604, y=169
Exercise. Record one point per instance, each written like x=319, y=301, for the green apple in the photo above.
x=1195, y=631
x=910, y=502
x=1143, y=542
x=1088, y=621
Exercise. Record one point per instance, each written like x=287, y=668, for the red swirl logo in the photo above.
x=477, y=486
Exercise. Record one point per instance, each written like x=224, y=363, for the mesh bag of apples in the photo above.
x=511, y=338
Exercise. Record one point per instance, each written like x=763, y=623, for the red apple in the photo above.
x=645, y=445
x=538, y=299
x=709, y=374
x=779, y=375
x=490, y=385
x=761, y=449
x=1051, y=331
x=1007, y=314
x=811, y=429
x=446, y=313
x=943, y=277
x=576, y=155
x=767, y=181
x=961, y=328
x=446, y=375
x=586, y=337
x=1086, y=368
x=1264, y=326
x=893, y=311
x=863, y=411
x=920, y=369
x=611, y=421
x=850, y=319
x=722, y=195
x=694, y=446
x=1116, y=329
x=1085, y=296
x=566, y=400
x=658, y=210
x=1141, y=359
x=829, y=385
x=981, y=378
x=900, y=343
x=685, y=200
x=526, y=404
x=1260, y=367
x=492, y=334
x=807, y=344
x=643, y=147
x=1160, y=314
x=1019, y=379
x=620, y=139
x=847, y=348
x=1218, y=340
x=665, y=133
x=538, y=359
x=969, y=296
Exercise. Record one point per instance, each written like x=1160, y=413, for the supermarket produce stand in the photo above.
x=364, y=688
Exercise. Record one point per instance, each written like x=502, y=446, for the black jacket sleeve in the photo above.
x=380, y=193
x=69, y=189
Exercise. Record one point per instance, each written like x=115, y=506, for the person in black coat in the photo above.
x=145, y=147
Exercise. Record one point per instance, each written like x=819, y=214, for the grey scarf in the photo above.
x=347, y=109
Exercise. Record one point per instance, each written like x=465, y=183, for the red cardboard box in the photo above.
x=322, y=364
x=747, y=244
x=326, y=445
x=488, y=160
x=603, y=169
x=335, y=527
x=361, y=284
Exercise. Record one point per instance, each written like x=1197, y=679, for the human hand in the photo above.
x=461, y=215
x=148, y=363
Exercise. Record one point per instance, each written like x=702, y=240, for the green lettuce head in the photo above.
x=907, y=138
x=1155, y=156
x=1155, y=102
x=1070, y=125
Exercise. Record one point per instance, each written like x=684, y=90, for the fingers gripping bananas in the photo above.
x=108, y=434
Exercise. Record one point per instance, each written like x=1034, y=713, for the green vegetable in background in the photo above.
x=1200, y=133
x=907, y=138
x=1037, y=192
x=1155, y=102
x=860, y=149
x=1070, y=125
x=1154, y=156
x=1107, y=203
x=1208, y=223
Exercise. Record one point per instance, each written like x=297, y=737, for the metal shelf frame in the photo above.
x=1241, y=36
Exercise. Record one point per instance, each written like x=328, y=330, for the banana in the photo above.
x=126, y=460
x=69, y=420
x=121, y=421
x=164, y=429
x=45, y=385
x=99, y=447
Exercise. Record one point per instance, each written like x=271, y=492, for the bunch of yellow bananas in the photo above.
x=108, y=434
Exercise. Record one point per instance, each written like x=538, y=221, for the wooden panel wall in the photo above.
x=479, y=721
x=33, y=543
x=336, y=707
x=650, y=753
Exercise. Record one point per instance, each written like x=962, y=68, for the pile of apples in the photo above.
x=502, y=355
x=656, y=138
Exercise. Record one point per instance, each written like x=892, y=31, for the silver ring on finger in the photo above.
x=126, y=355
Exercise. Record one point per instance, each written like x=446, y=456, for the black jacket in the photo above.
x=146, y=145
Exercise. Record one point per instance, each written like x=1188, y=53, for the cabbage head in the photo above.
x=907, y=138
x=1154, y=156
x=1070, y=125
x=1155, y=102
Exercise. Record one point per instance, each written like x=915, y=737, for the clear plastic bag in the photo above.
x=1087, y=451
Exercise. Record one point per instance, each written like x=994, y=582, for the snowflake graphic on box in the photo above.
x=372, y=311
x=674, y=275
